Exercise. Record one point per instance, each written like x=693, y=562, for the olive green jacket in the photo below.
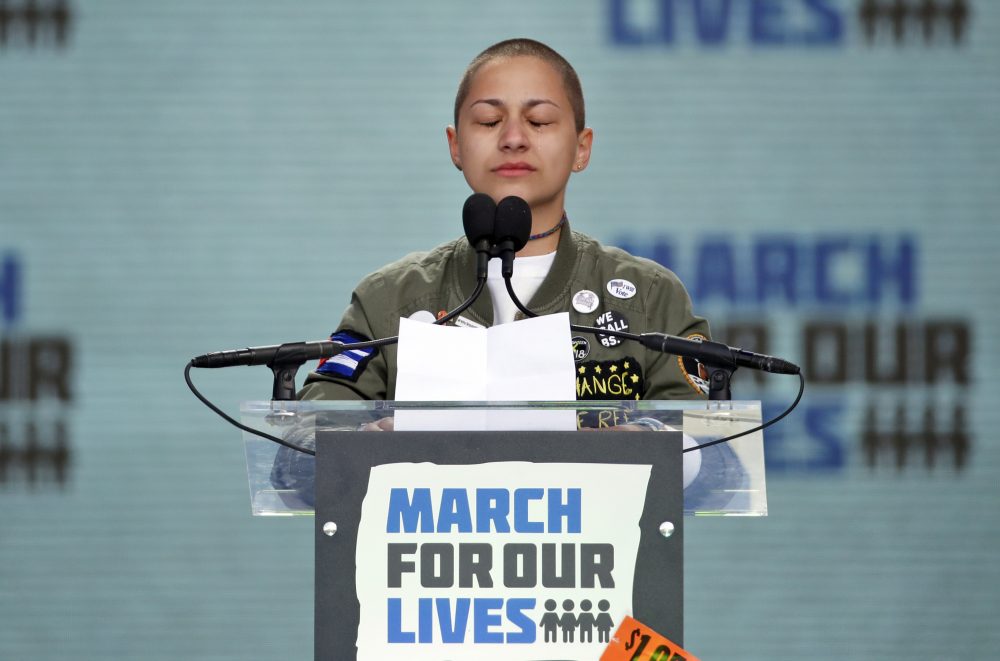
x=440, y=280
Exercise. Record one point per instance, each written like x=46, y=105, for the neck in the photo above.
x=542, y=220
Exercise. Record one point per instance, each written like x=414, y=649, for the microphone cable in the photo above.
x=239, y=425
x=480, y=284
x=531, y=314
x=760, y=427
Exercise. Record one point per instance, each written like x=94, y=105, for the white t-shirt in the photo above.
x=528, y=275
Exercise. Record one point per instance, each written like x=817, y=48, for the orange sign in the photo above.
x=634, y=641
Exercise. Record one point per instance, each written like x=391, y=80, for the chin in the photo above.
x=524, y=192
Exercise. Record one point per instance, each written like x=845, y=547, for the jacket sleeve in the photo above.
x=669, y=311
x=354, y=375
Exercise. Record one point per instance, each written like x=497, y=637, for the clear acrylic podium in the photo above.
x=473, y=530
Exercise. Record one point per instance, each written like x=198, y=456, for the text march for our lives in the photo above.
x=506, y=560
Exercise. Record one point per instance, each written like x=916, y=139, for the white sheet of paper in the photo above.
x=527, y=360
x=440, y=363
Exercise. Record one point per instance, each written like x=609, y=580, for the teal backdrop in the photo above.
x=181, y=177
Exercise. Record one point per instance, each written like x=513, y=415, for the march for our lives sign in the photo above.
x=507, y=560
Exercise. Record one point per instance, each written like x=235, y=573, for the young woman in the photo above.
x=520, y=130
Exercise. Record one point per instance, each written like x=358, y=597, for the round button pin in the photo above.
x=585, y=301
x=425, y=316
x=613, y=321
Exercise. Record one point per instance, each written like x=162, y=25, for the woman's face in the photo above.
x=516, y=134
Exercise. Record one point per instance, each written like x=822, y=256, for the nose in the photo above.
x=513, y=137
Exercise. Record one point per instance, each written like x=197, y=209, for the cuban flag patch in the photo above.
x=351, y=363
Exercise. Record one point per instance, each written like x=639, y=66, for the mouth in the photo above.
x=513, y=169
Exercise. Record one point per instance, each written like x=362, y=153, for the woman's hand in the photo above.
x=384, y=424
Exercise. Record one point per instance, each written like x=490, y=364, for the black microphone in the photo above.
x=512, y=229
x=716, y=353
x=478, y=216
x=293, y=351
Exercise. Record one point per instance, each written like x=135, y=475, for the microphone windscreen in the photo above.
x=513, y=221
x=478, y=215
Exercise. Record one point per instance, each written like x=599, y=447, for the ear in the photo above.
x=584, y=143
x=452, y=134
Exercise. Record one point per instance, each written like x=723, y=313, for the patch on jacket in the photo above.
x=610, y=379
x=351, y=363
x=464, y=322
x=694, y=372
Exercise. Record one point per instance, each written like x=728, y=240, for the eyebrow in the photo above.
x=530, y=103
